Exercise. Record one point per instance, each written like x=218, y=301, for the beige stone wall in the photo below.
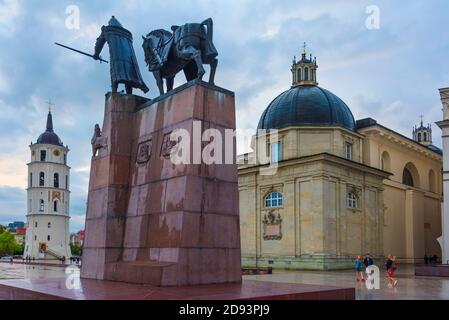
x=412, y=214
x=316, y=222
x=305, y=141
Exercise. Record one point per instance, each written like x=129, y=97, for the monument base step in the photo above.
x=432, y=271
x=87, y=289
x=138, y=272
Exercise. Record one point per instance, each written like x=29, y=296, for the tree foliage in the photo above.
x=7, y=243
x=76, y=249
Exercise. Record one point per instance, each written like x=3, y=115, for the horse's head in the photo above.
x=152, y=45
x=149, y=46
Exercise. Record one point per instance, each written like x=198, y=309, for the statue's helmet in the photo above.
x=114, y=23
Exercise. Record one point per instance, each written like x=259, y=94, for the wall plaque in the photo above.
x=272, y=228
x=144, y=151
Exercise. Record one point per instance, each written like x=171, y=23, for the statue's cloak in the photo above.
x=123, y=62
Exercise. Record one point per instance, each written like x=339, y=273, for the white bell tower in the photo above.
x=48, y=198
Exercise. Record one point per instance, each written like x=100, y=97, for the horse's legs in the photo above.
x=190, y=53
x=199, y=64
x=170, y=81
x=159, y=81
x=213, y=68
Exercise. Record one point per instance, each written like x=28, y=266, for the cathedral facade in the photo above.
x=342, y=187
x=48, y=198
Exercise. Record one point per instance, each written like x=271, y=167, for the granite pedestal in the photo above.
x=150, y=221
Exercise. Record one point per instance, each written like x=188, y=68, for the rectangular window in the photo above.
x=41, y=179
x=35, y=238
x=48, y=238
x=41, y=205
x=31, y=180
x=35, y=224
x=43, y=155
x=275, y=152
x=348, y=150
x=67, y=182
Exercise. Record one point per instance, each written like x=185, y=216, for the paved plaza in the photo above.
x=409, y=286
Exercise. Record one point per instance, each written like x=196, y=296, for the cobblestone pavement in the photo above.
x=409, y=286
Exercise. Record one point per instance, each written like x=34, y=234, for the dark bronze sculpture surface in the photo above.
x=187, y=48
x=123, y=62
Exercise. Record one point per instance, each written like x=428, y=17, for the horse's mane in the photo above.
x=160, y=33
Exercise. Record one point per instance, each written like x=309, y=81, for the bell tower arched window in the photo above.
x=56, y=180
x=43, y=155
x=306, y=74
x=41, y=179
x=298, y=77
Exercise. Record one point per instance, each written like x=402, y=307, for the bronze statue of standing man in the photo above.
x=123, y=62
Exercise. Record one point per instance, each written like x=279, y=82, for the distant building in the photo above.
x=19, y=234
x=48, y=197
x=77, y=238
x=16, y=224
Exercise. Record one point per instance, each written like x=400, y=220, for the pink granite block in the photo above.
x=221, y=197
x=136, y=231
x=164, y=230
x=155, y=202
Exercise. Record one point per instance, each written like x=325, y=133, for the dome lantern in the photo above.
x=304, y=70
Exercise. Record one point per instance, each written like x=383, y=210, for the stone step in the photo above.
x=148, y=272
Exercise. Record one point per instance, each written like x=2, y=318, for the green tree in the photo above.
x=7, y=243
x=2, y=229
x=76, y=249
x=18, y=249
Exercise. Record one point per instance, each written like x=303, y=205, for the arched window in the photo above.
x=425, y=136
x=56, y=180
x=385, y=161
x=43, y=155
x=31, y=180
x=274, y=199
x=410, y=176
x=55, y=206
x=41, y=205
x=352, y=200
x=49, y=225
x=306, y=74
x=407, y=178
x=432, y=181
x=298, y=77
x=419, y=137
x=67, y=182
x=41, y=179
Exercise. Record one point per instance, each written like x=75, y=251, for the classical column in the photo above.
x=444, y=125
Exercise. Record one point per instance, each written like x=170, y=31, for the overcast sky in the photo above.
x=391, y=74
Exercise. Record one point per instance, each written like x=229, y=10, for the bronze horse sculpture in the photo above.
x=187, y=48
